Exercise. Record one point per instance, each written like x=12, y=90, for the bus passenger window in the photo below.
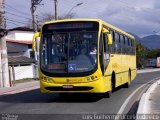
x=122, y=43
x=112, y=47
x=132, y=47
x=128, y=42
x=117, y=45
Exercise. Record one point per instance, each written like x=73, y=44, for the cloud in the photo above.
x=135, y=16
x=156, y=4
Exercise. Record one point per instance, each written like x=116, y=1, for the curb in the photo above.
x=147, y=70
x=20, y=88
x=144, y=104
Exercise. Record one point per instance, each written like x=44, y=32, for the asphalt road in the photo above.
x=32, y=104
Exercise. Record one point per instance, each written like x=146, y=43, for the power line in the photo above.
x=16, y=21
x=18, y=15
x=13, y=23
x=10, y=7
x=126, y=4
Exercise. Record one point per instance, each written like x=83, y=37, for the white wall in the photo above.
x=27, y=36
x=20, y=35
x=11, y=35
x=24, y=72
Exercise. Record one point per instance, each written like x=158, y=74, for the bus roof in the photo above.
x=96, y=20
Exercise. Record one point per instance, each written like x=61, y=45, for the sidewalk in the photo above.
x=20, y=88
x=148, y=70
x=150, y=101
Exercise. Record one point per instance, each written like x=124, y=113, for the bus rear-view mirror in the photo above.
x=109, y=36
x=36, y=35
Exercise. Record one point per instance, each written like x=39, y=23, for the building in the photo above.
x=20, y=56
x=21, y=38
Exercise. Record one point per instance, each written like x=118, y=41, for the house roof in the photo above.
x=21, y=29
x=19, y=60
x=20, y=41
x=13, y=49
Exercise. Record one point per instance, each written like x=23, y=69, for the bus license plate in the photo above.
x=68, y=86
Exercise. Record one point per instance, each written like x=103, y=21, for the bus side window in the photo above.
x=117, y=44
x=112, y=47
x=122, y=43
x=130, y=46
x=126, y=45
x=134, y=47
x=128, y=42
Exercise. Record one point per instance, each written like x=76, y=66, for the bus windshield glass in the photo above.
x=69, y=51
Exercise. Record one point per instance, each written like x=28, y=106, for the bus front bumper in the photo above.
x=97, y=86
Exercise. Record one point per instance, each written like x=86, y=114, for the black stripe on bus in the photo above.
x=119, y=73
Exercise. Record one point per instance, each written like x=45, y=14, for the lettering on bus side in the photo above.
x=114, y=65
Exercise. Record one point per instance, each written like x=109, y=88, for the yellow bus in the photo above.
x=84, y=56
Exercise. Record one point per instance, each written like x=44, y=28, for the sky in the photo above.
x=140, y=17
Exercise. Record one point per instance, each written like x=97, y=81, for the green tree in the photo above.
x=153, y=53
x=141, y=52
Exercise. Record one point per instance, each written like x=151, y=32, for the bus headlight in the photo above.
x=44, y=79
x=92, y=78
x=88, y=78
x=47, y=79
x=50, y=80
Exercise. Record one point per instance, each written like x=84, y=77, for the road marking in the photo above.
x=128, y=99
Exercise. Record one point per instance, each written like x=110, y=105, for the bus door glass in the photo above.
x=106, y=50
x=54, y=52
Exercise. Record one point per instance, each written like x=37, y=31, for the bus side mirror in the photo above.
x=37, y=34
x=109, y=36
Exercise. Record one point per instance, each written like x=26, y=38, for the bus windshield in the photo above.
x=69, y=52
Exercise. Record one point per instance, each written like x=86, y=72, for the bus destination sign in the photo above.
x=70, y=25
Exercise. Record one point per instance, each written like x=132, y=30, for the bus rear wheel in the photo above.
x=113, y=79
x=127, y=85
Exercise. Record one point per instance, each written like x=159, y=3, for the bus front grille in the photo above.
x=69, y=89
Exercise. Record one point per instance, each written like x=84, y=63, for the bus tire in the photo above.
x=106, y=94
x=127, y=85
x=113, y=79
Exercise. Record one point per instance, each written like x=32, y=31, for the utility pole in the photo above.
x=1, y=34
x=34, y=3
x=33, y=9
x=55, y=7
x=4, y=73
